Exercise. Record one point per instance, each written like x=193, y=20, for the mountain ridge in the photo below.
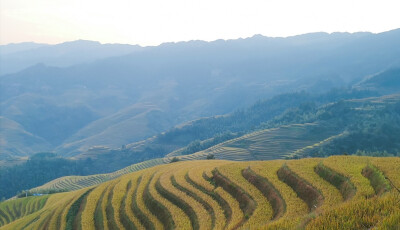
x=196, y=79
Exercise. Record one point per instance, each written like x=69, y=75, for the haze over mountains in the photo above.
x=247, y=99
x=16, y=57
x=85, y=94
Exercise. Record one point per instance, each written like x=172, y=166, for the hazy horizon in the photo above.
x=155, y=22
x=178, y=41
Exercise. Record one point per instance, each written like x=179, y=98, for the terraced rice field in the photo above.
x=269, y=144
x=331, y=193
x=12, y=210
x=71, y=183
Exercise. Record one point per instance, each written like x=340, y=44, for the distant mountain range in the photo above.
x=16, y=57
x=78, y=95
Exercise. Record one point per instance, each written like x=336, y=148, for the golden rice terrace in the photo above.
x=341, y=192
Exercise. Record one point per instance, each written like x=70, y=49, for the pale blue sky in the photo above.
x=151, y=22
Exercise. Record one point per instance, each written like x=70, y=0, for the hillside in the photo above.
x=348, y=126
x=16, y=141
x=292, y=110
x=352, y=126
x=203, y=133
x=269, y=144
x=353, y=192
x=386, y=81
x=185, y=80
x=371, y=125
x=130, y=125
x=101, y=159
x=277, y=143
x=70, y=183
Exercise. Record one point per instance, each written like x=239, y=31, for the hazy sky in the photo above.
x=151, y=22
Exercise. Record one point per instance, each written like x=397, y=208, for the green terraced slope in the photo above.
x=15, y=209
